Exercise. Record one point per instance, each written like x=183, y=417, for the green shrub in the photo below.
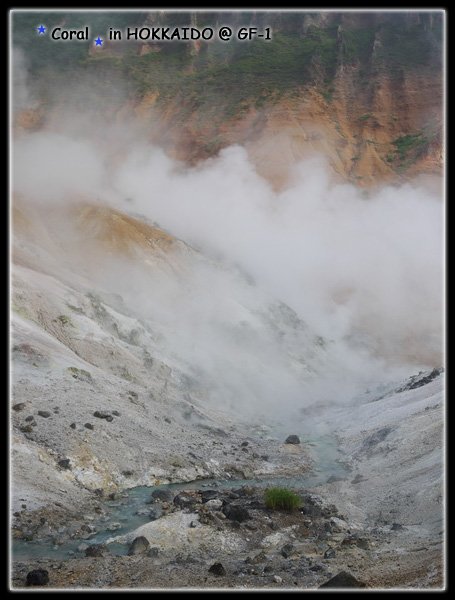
x=280, y=498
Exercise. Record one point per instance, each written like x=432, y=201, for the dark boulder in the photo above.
x=37, y=577
x=17, y=407
x=64, y=463
x=343, y=580
x=164, y=495
x=95, y=551
x=103, y=415
x=287, y=550
x=236, y=513
x=207, y=495
x=139, y=546
x=44, y=413
x=184, y=500
x=292, y=439
x=217, y=569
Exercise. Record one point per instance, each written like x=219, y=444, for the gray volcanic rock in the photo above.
x=292, y=439
x=343, y=580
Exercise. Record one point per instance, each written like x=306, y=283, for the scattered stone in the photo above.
x=140, y=545
x=292, y=439
x=264, y=457
x=396, y=527
x=153, y=552
x=217, y=569
x=193, y=524
x=37, y=577
x=343, y=580
x=30, y=418
x=249, y=526
x=44, y=413
x=116, y=413
x=95, y=550
x=103, y=415
x=127, y=473
x=420, y=380
x=73, y=425
x=257, y=559
x=236, y=513
x=113, y=526
x=114, y=496
x=164, y=495
x=214, y=504
x=18, y=407
x=244, y=444
x=245, y=450
x=64, y=463
x=88, y=426
x=287, y=550
x=277, y=578
x=317, y=567
x=339, y=524
x=184, y=500
x=167, y=419
x=329, y=553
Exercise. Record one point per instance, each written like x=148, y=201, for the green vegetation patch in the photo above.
x=80, y=374
x=358, y=44
x=407, y=144
x=408, y=46
x=281, y=499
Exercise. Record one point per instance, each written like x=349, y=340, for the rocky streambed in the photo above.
x=215, y=537
x=369, y=515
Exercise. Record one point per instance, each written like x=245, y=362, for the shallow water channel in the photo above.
x=121, y=515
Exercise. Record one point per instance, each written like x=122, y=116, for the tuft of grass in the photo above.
x=281, y=499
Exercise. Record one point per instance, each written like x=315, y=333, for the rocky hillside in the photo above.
x=365, y=89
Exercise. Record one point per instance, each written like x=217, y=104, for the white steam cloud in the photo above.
x=363, y=272
x=365, y=269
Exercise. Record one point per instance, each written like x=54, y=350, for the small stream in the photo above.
x=121, y=515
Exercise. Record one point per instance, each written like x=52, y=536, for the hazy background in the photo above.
x=361, y=269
